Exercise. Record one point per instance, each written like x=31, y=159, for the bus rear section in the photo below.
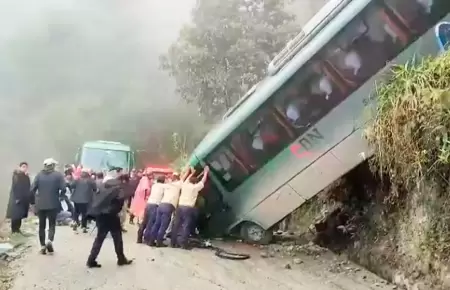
x=309, y=130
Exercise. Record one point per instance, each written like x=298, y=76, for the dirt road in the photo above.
x=167, y=269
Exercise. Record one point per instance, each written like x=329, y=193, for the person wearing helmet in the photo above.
x=48, y=187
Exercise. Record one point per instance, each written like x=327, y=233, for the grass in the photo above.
x=411, y=127
x=410, y=133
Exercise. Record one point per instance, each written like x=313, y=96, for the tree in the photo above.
x=226, y=49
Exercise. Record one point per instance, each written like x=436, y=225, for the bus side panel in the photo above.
x=352, y=151
x=275, y=207
x=317, y=176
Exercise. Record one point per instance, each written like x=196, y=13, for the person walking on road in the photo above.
x=105, y=209
x=83, y=192
x=19, y=198
x=186, y=211
x=48, y=187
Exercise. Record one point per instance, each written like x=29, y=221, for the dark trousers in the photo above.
x=184, y=217
x=80, y=210
x=149, y=219
x=107, y=223
x=162, y=221
x=43, y=216
x=16, y=225
x=195, y=217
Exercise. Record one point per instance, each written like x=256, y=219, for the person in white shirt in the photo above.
x=153, y=201
x=185, y=213
x=169, y=203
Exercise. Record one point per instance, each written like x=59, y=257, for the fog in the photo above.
x=68, y=66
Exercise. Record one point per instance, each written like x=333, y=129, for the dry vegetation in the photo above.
x=410, y=134
x=411, y=127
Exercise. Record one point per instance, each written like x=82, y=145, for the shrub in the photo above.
x=410, y=132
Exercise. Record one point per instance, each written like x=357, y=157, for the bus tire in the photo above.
x=255, y=234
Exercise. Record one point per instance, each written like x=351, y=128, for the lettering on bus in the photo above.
x=307, y=142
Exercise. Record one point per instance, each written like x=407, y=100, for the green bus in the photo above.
x=300, y=128
x=103, y=155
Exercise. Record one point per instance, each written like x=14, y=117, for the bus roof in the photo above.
x=270, y=84
x=109, y=145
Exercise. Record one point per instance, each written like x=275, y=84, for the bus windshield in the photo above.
x=101, y=159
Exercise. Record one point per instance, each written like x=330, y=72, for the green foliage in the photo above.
x=410, y=132
x=226, y=49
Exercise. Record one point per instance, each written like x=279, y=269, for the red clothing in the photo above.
x=141, y=194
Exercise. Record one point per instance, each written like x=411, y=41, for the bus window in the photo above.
x=365, y=45
x=418, y=15
x=266, y=136
x=227, y=167
x=307, y=97
x=412, y=13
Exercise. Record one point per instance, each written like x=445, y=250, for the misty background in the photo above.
x=78, y=70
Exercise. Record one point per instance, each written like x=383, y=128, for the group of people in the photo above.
x=161, y=204
x=100, y=201
x=165, y=201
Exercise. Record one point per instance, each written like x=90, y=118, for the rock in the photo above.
x=5, y=247
x=288, y=266
x=415, y=275
x=297, y=261
x=264, y=255
x=446, y=282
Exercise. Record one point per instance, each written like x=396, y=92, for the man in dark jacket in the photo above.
x=48, y=187
x=83, y=192
x=19, y=198
x=105, y=208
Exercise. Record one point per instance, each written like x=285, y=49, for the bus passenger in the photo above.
x=185, y=212
x=169, y=203
x=156, y=194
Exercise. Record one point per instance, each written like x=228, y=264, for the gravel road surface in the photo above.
x=170, y=269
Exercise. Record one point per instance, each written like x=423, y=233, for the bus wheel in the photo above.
x=254, y=234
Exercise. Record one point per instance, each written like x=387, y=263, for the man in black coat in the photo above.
x=82, y=195
x=106, y=206
x=48, y=186
x=19, y=198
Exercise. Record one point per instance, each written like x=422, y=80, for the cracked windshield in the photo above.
x=234, y=145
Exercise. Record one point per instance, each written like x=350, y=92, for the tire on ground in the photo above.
x=254, y=234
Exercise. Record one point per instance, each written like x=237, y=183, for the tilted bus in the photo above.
x=300, y=128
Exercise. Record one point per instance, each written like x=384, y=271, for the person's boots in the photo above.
x=124, y=262
x=43, y=250
x=160, y=245
x=93, y=264
x=49, y=247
